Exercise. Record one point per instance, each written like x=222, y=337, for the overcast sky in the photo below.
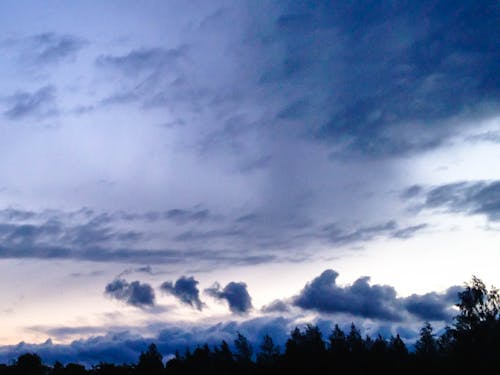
x=176, y=171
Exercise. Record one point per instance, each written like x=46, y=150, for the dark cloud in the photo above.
x=39, y=103
x=197, y=235
x=144, y=269
x=433, y=306
x=106, y=237
x=411, y=192
x=186, y=290
x=176, y=215
x=277, y=306
x=134, y=293
x=10, y=214
x=149, y=76
x=489, y=136
x=408, y=232
x=50, y=47
x=183, y=216
x=122, y=345
x=374, y=301
x=203, y=258
x=360, y=298
x=119, y=98
x=467, y=197
x=236, y=295
x=385, y=71
x=142, y=60
x=338, y=235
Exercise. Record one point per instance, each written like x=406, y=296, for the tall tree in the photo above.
x=269, y=352
x=477, y=305
x=244, y=350
x=426, y=345
x=150, y=361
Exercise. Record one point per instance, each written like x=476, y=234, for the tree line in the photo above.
x=470, y=345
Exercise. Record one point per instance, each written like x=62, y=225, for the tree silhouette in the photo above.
x=269, y=352
x=477, y=306
x=354, y=341
x=244, y=350
x=476, y=341
x=29, y=364
x=150, y=361
x=426, y=345
x=338, y=344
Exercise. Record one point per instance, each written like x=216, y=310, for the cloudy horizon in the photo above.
x=179, y=171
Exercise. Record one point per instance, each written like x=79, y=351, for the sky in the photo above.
x=178, y=171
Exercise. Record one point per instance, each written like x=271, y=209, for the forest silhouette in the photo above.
x=470, y=345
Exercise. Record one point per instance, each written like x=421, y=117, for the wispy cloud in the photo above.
x=39, y=104
x=466, y=197
x=51, y=47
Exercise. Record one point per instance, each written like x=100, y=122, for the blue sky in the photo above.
x=176, y=171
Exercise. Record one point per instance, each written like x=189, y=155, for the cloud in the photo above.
x=466, y=197
x=124, y=345
x=489, y=136
x=361, y=299
x=411, y=192
x=51, y=47
x=369, y=307
x=338, y=235
x=236, y=295
x=378, y=302
x=408, y=232
x=39, y=103
x=142, y=60
x=392, y=79
x=433, y=306
x=10, y=214
x=276, y=306
x=186, y=290
x=134, y=293
x=143, y=269
x=108, y=236
x=178, y=216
